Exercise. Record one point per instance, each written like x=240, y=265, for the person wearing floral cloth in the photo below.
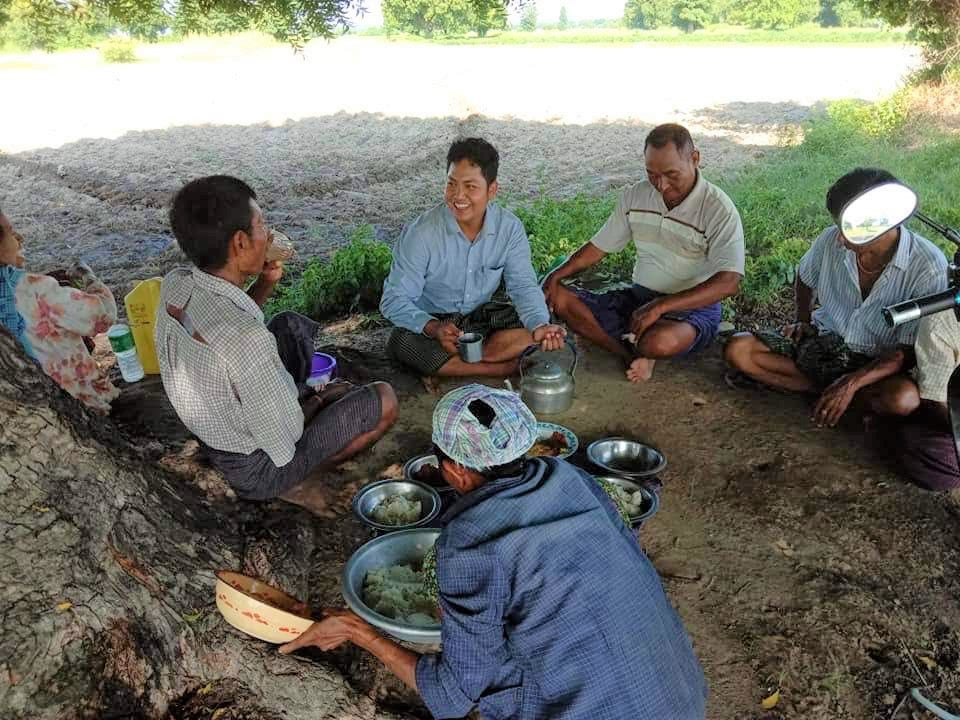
x=51, y=321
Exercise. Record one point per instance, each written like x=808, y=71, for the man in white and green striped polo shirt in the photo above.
x=690, y=256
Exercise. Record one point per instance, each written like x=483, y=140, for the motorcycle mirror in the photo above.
x=875, y=211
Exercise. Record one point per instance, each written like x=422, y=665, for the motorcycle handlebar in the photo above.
x=901, y=313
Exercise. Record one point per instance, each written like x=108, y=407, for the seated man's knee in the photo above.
x=561, y=300
x=738, y=350
x=660, y=344
x=282, y=320
x=904, y=398
x=388, y=402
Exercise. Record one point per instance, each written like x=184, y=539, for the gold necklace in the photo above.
x=869, y=272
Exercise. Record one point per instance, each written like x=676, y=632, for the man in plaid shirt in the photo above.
x=550, y=609
x=238, y=384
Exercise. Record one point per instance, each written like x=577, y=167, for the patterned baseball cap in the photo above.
x=469, y=434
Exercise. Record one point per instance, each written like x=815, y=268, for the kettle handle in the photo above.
x=533, y=348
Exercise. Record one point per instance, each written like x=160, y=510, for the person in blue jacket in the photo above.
x=549, y=607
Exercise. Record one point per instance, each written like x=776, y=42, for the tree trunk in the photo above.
x=107, y=569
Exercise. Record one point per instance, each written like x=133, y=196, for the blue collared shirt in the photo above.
x=918, y=268
x=551, y=610
x=437, y=271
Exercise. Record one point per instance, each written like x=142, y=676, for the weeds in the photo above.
x=118, y=50
x=351, y=281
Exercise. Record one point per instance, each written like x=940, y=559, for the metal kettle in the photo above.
x=546, y=387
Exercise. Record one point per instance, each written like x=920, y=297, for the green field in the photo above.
x=719, y=34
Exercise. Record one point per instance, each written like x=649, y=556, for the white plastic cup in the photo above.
x=121, y=341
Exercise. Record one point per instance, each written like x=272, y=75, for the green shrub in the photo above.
x=352, y=280
x=117, y=50
x=775, y=14
x=557, y=227
x=880, y=119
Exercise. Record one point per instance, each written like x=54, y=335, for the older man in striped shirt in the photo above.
x=843, y=349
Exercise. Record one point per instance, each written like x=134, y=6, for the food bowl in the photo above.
x=546, y=430
x=651, y=501
x=259, y=609
x=412, y=466
x=373, y=494
x=625, y=457
x=399, y=548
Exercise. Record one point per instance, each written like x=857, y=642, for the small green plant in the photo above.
x=557, y=227
x=352, y=280
x=118, y=50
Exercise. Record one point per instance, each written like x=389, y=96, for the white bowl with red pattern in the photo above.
x=259, y=609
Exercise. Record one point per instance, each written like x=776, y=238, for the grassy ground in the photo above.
x=803, y=35
x=781, y=201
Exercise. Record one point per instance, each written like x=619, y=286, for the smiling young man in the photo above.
x=447, y=266
x=238, y=384
x=690, y=256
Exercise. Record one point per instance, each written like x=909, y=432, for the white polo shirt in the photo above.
x=677, y=248
x=938, y=354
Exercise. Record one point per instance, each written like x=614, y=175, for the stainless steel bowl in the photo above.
x=371, y=495
x=651, y=501
x=625, y=457
x=406, y=547
x=411, y=466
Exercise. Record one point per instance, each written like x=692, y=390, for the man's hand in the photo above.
x=550, y=337
x=798, y=331
x=336, y=628
x=835, y=400
x=272, y=272
x=445, y=333
x=645, y=316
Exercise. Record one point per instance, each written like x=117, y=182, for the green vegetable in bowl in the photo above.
x=429, y=572
x=616, y=495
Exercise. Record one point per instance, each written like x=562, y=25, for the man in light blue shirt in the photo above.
x=447, y=265
x=843, y=350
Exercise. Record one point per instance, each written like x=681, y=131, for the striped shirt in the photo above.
x=918, y=268
x=230, y=389
x=677, y=248
x=938, y=354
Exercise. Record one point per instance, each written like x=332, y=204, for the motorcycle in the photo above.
x=874, y=212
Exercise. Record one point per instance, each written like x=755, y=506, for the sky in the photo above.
x=547, y=10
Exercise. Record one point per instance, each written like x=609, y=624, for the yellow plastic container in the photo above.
x=142, y=303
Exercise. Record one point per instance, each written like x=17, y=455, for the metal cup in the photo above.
x=471, y=347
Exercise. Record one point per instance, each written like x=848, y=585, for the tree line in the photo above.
x=49, y=24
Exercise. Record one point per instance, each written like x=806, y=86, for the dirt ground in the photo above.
x=795, y=556
x=796, y=559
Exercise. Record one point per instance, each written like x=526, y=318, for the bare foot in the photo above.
x=640, y=370
x=431, y=384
